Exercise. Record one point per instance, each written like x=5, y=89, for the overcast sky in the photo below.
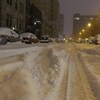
x=84, y=7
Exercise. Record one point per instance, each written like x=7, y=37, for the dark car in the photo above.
x=8, y=35
x=45, y=39
x=28, y=38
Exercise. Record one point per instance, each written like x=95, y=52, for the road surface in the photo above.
x=47, y=72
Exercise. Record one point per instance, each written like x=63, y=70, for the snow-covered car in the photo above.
x=45, y=39
x=8, y=35
x=3, y=40
x=28, y=38
x=97, y=39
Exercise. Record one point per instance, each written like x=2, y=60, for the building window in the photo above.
x=9, y=20
x=21, y=25
x=91, y=18
x=9, y=2
x=21, y=7
x=15, y=23
x=15, y=4
x=77, y=18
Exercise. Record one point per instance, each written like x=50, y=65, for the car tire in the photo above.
x=3, y=41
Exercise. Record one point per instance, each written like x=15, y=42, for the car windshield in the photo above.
x=44, y=38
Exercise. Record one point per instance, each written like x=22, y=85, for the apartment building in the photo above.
x=21, y=15
x=80, y=22
x=33, y=19
x=12, y=14
x=50, y=14
x=61, y=24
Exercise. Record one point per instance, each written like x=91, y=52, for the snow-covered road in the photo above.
x=90, y=59
x=58, y=71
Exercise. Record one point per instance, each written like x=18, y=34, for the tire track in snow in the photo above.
x=92, y=79
x=12, y=62
x=88, y=93
x=76, y=86
x=11, y=59
x=58, y=92
x=72, y=83
x=71, y=76
x=16, y=78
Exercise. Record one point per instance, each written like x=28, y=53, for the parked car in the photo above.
x=45, y=39
x=91, y=40
x=8, y=35
x=97, y=39
x=28, y=38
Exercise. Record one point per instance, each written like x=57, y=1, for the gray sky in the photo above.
x=84, y=7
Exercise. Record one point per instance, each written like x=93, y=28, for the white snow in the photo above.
x=28, y=34
x=13, y=52
x=8, y=32
x=90, y=55
x=38, y=72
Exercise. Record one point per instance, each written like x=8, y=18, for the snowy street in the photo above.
x=52, y=71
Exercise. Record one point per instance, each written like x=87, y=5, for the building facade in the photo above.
x=61, y=25
x=0, y=12
x=12, y=14
x=50, y=13
x=21, y=15
x=33, y=19
x=80, y=22
x=54, y=18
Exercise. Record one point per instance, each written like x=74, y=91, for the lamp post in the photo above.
x=13, y=28
x=38, y=28
x=83, y=30
x=80, y=33
x=89, y=25
x=89, y=30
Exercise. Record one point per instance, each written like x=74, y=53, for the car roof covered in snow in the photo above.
x=7, y=31
x=27, y=34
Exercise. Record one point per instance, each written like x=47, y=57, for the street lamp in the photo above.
x=70, y=38
x=83, y=30
x=13, y=28
x=80, y=33
x=38, y=21
x=34, y=23
x=89, y=24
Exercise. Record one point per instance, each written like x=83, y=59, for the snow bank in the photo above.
x=12, y=52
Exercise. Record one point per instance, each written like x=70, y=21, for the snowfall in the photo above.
x=51, y=71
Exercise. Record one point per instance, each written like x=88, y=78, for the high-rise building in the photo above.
x=54, y=11
x=61, y=25
x=80, y=22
